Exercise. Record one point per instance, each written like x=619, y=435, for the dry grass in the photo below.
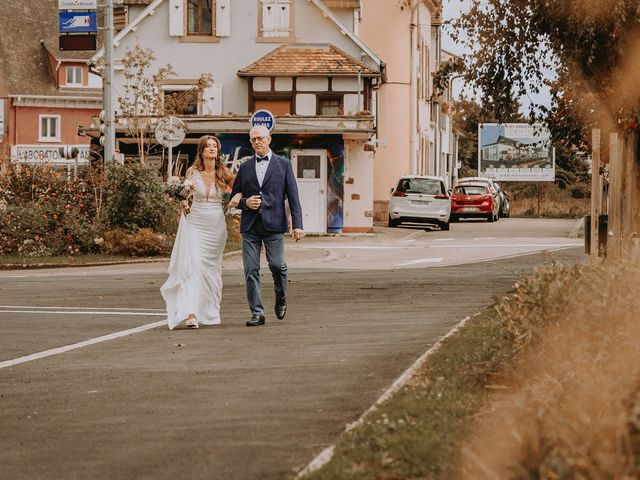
x=550, y=208
x=571, y=407
x=548, y=200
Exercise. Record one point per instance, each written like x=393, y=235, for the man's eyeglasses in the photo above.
x=257, y=139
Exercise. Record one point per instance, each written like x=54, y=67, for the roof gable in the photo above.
x=300, y=60
x=25, y=47
x=326, y=12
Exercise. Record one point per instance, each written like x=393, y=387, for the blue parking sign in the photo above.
x=78, y=22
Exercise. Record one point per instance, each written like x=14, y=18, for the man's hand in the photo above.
x=254, y=202
x=297, y=234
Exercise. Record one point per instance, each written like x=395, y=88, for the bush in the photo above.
x=45, y=213
x=136, y=199
x=142, y=243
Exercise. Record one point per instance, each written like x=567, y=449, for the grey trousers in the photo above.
x=252, y=242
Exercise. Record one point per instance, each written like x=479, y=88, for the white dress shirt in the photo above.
x=261, y=167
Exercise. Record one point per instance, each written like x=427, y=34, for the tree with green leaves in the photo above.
x=589, y=44
x=144, y=101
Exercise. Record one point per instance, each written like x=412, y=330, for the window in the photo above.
x=49, y=128
x=199, y=17
x=276, y=18
x=180, y=100
x=330, y=106
x=74, y=75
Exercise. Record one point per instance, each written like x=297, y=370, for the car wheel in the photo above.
x=453, y=219
x=490, y=218
x=444, y=226
x=393, y=223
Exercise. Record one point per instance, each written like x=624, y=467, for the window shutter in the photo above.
x=283, y=10
x=176, y=18
x=223, y=18
x=268, y=19
x=212, y=100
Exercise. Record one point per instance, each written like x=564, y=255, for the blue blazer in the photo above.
x=279, y=184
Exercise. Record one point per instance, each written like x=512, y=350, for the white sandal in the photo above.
x=192, y=322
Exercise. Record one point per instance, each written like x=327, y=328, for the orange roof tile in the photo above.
x=295, y=60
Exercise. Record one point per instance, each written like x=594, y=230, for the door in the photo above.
x=310, y=168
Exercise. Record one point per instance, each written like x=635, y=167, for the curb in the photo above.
x=326, y=455
x=39, y=266
x=577, y=229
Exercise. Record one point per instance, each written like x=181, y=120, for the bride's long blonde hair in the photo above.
x=224, y=176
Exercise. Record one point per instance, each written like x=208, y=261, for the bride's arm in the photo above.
x=233, y=203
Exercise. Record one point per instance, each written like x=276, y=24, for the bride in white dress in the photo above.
x=194, y=288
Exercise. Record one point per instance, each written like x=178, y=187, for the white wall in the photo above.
x=358, y=194
x=228, y=55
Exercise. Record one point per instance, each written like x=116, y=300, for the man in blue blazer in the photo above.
x=266, y=181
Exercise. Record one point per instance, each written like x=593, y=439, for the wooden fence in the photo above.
x=616, y=197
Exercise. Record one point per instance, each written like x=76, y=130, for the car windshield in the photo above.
x=469, y=190
x=425, y=186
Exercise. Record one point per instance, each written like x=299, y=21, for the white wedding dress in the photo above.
x=195, y=270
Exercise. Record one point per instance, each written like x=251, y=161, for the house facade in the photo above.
x=299, y=59
x=414, y=129
x=45, y=93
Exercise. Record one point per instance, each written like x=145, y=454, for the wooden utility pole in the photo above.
x=616, y=172
x=596, y=195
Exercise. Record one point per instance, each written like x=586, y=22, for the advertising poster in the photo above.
x=515, y=152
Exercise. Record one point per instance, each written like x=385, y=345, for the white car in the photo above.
x=420, y=199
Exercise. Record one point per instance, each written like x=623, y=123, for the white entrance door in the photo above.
x=310, y=168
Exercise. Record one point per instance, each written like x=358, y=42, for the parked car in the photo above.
x=473, y=200
x=420, y=199
x=495, y=190
x=505, y=206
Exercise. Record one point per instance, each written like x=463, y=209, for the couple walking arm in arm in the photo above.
x=264, y=184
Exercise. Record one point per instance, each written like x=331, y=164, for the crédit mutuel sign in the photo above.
x=77, y=4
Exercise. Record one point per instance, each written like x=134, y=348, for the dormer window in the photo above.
x=74, y=76
x=276, y=19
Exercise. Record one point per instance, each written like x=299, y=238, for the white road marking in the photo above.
x=84, y=312
x=421, y=260
x=443, y=239
x=85, y=343
x=121, y=309
x=515, y=245
x=484, y=238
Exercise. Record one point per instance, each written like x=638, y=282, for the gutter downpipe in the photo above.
x=413, y=127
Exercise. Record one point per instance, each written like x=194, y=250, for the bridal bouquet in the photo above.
x=179, y=189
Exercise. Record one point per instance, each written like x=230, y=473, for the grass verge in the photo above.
x=17, y=261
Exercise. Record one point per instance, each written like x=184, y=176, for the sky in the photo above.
x=452, y=9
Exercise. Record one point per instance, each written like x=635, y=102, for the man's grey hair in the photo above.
x=260, y=130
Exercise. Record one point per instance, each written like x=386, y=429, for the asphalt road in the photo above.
x=228, y=401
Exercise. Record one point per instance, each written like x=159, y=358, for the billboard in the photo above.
x=515, y=152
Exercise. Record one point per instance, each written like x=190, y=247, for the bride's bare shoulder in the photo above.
x=190, y=172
